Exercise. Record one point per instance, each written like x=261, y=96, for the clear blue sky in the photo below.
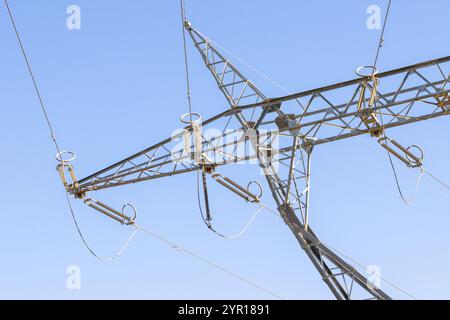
x=117, y=86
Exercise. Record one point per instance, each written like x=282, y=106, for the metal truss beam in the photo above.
x=324, y=122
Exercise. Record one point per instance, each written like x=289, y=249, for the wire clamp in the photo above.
x=64, y=158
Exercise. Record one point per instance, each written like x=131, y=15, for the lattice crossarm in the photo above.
x=182, y=153
x=405, y=95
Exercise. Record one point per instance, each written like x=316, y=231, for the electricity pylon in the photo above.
x=280, y=135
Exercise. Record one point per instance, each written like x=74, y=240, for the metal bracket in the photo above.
x=368, y=117
x=288, y=122
x=64, y=158
x=443, y=101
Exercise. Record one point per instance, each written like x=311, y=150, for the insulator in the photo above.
x=112, y=213
x=403, y=154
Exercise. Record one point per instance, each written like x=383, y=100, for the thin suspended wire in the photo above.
x=53, y=138
x=246, y=227
x=441, y=182
x=207, y=261
x=186, y=59
x=33, y=78
x=381, y=41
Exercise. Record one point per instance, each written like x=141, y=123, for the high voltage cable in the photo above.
x=441, y=182
x=381, y=41
x=137, y=227
x=186, y=62
x=33, y=78
x=207, y=261
x=50, y=127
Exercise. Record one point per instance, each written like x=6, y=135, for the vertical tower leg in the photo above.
x=344, y=281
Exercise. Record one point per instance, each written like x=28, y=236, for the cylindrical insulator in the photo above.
x=187, y=142
x=198, y=142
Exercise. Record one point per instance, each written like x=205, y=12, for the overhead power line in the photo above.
x=135, y=226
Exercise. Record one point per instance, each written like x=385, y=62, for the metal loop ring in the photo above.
x=261, y=190
x=359, y=71
x=420, y=157
x=186, y=118
x=134, y=211
x=60, y=156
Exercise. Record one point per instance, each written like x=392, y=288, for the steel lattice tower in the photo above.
x=367, y=105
